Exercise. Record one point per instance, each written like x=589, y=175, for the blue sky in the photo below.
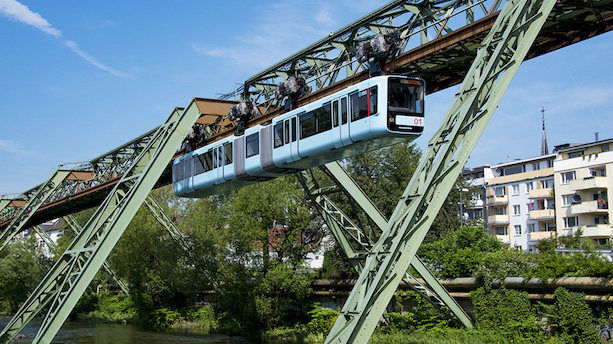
x=80, y=78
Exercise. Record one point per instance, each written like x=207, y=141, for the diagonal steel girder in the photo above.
x=42, y=194
x=332, y=59
x=497, y=61
x=432, y=291
x=72, y=273
x=76, y=229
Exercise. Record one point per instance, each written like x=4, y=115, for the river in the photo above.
x=87, y=333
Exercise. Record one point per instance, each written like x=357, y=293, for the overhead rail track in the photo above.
x=442, y=57
x=486, y=53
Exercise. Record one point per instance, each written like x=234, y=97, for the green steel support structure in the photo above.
x=44, y=237
x=41, y=196
x=344, y=230
x=4, y=203
x=72, y=273
x=498, y=58
x=159, y=214
x=76, y=229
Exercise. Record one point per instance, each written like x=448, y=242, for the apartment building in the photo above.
x=520, y=202
x=582, y=176
x=552, y=195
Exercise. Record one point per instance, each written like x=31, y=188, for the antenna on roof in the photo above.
x=544, y=148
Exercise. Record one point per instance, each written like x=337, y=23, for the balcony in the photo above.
x=541, y=193
x=588, y=207
x=504, y=239
x=497, y=199
x=589, y=183
x=498, y=219
x=589, y=231
x=544, y=214
x=536, y=236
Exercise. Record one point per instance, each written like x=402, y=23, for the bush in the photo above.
x=505, y=312
x=322, y=320
x=570, y=316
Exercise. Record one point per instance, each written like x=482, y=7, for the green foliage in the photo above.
x=459, y=253
x=322, y=320
x=500, y=264
x=22, y=266
x=506, y=312
x=336, y=264
x=570, y=317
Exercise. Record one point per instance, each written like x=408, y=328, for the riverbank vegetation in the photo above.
x=240, y=269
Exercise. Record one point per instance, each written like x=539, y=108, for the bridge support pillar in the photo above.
x=497, y=61
x=72, y=273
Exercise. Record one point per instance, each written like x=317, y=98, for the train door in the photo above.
x=344, y=122
x=290, y=132
x=220, y=164
x=336, y=121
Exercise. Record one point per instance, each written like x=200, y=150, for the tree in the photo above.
x=22, y=267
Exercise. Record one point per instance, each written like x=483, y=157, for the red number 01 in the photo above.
x=417, y=121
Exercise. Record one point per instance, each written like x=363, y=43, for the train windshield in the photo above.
x=406, y=96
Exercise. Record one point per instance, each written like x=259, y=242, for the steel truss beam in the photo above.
x=72, y=273
x=76, y=229
x=497, y=61
x=344, y=230
x=332, y=59
x=24, y=214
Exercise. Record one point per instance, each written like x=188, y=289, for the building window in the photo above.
x=478, y=214
x=547, y=184
x=567, y=177
x=575, y=154
x=516, y=210
x=604, y=148
x=515, y=189
x=529, y=186
x=567, y=200
x=531, y=228
x=536, y=166
x=517, y=229
x=500, y=211
x=572, y=221
x=500, y=191
x=500, y=230
x=550, y=163
x=528, y=207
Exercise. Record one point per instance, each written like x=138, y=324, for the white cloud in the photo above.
x=75, y=48
x=13, y=147
x=19, y=12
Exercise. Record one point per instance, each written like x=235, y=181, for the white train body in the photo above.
x=372, y=114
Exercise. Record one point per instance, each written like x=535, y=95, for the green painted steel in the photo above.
x=160, y=215
x=432, y=291
x=44, y=237
x=76, y=229
x=498, y=58
x=332, y=59
x=4, y=203
x=72, y=273
x=25, y=213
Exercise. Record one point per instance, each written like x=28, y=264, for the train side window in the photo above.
x=219, y=157
x=180, y=172
x=287, y=131
x=207, y=160
x=324, y=121
x=344, y=110
x=372, y=101
x=175, y=177
x=278, y=135
x=252, y=144
x=308, y=126
x=198, y=166
x=294, y=125
x=335, y=114
x=360, y=103
x=228, y=152
x=214, y=157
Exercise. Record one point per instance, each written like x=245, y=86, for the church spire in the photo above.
x=544, y=149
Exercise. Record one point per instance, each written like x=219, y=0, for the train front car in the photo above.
x=405, y=105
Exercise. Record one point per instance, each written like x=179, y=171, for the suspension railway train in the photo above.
x=372, y=114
